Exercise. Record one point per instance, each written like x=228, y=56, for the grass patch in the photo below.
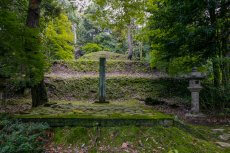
x=141, y=139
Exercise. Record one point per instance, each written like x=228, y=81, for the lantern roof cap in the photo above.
x=195, y=74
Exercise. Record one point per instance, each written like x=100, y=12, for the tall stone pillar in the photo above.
x=102, y=83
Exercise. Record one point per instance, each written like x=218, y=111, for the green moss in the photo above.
x=68, y=136
x=46, y=112
x=122, y=88
x=142, y=139
x=84, y=110
x=108, y=55
x=111, y=66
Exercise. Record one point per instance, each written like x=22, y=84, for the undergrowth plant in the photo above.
x=18, y=137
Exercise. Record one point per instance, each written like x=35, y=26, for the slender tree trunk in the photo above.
x=141, y=50
x=226, y=56
x=226, y=69
x=130, y=42
x=216, y=64
x=216, y=73
x=38, y=91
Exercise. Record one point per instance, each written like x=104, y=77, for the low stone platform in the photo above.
x=62, y=113
x=99, y=122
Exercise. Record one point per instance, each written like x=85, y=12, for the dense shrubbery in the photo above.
x=216, y=99
x=17, y=137
x=91, y=47
x=59, y=39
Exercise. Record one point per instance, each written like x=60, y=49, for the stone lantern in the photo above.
x=195, y=88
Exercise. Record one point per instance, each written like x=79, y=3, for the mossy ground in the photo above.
x=174, y=139
x=114, y=110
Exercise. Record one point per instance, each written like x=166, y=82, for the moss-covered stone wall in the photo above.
x=118, y=88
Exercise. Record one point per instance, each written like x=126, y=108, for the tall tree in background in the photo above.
x=32, y=48
x=124, y=14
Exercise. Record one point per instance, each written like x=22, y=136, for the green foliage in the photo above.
x=143, y=139
x=119, y=65
x=68, y=137
x=17, y=137
x=182, y=34
x=89, y=30
x=177, y=66
x=91, y=47
x=59, y=39
x=124, y=16
x=122, y=12
x=108, y=55
x=21, y=57
x=215, y=99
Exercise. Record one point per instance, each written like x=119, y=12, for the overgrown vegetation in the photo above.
x=140, y=139
x=91, y=47
x=216, y=99
x=118, y=88
x=108, y=55
x=111, y=66
x=180, y=41
x=17, y=137
x=172, y=36
x=59, y=39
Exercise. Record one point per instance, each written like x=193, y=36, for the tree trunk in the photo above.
x=38, y=91
x=226, y=69
x=215, y=63
x=130, y=42
x=141, y=50
x=39, y=94
x=33, y=15
x=216, y=73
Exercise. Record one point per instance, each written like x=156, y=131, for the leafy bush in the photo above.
x=213, y=98
x=17, y=137
x=91, y=47
x=108, y=55
x=59, y=39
